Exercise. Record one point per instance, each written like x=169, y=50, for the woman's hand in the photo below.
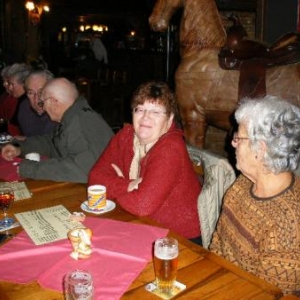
x=134, y=184
x=9, y=152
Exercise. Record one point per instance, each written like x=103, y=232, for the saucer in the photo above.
x=110, y=205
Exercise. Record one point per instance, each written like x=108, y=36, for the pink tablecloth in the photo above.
x=120, y=252
x=8, y=169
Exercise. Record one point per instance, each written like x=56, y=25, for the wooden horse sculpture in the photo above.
x=208, y=94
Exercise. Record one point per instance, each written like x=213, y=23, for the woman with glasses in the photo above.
x=259, y=227
x=146, y=166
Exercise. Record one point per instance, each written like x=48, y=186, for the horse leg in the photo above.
x=192, y=112
x=194, y=126
x=196, y=133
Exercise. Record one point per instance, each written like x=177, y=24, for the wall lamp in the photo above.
x=35, y=11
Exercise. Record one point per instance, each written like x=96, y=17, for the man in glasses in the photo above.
x=74, y=145
x=31, y=117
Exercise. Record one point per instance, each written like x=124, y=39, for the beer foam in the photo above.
x=166, y=253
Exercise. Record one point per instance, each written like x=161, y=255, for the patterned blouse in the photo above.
x=262, y=235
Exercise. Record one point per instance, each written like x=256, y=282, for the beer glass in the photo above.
x=165, y=264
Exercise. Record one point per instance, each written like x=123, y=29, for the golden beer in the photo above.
x=165, y=264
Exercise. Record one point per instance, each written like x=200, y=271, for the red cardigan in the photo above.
x=169, y=190
x=8, y=105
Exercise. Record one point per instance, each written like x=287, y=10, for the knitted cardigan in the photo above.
x=262, y=235
x=169, y=190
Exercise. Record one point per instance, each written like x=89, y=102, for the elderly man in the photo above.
x=73, y=147
x=32, y=118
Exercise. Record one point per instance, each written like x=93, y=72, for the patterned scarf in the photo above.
x=139, y=152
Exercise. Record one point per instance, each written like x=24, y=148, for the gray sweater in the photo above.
x=72, y=148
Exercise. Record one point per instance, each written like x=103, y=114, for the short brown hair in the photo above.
x=155, y=92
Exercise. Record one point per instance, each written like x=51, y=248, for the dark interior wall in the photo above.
x=280, y=18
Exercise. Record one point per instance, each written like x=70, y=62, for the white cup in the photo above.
x=33, y=156
x=96, y=196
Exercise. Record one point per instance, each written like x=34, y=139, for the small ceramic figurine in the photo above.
x=80, y=239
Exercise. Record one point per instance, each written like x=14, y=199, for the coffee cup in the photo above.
x=96, y=197
x=33, y=156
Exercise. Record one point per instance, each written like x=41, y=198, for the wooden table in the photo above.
x=206, y=275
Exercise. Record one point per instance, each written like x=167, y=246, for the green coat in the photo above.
x=72, y=148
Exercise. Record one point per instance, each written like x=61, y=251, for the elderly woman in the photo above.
x=8, y=102
x=146, y=167
x=17, y=75
x=259, y=227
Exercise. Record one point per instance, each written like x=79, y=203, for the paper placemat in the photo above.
x=47, y=225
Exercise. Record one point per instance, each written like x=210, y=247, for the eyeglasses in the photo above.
x=153, y=113
x=32, y=94
x=9, y=83
x=236, y=139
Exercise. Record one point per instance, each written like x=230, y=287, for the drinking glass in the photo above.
x=3, y=126
x=78, y=285
x=7, y=197
x=165, y=264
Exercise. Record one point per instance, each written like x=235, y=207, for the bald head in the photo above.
x=58, y=95
x=62, y=90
